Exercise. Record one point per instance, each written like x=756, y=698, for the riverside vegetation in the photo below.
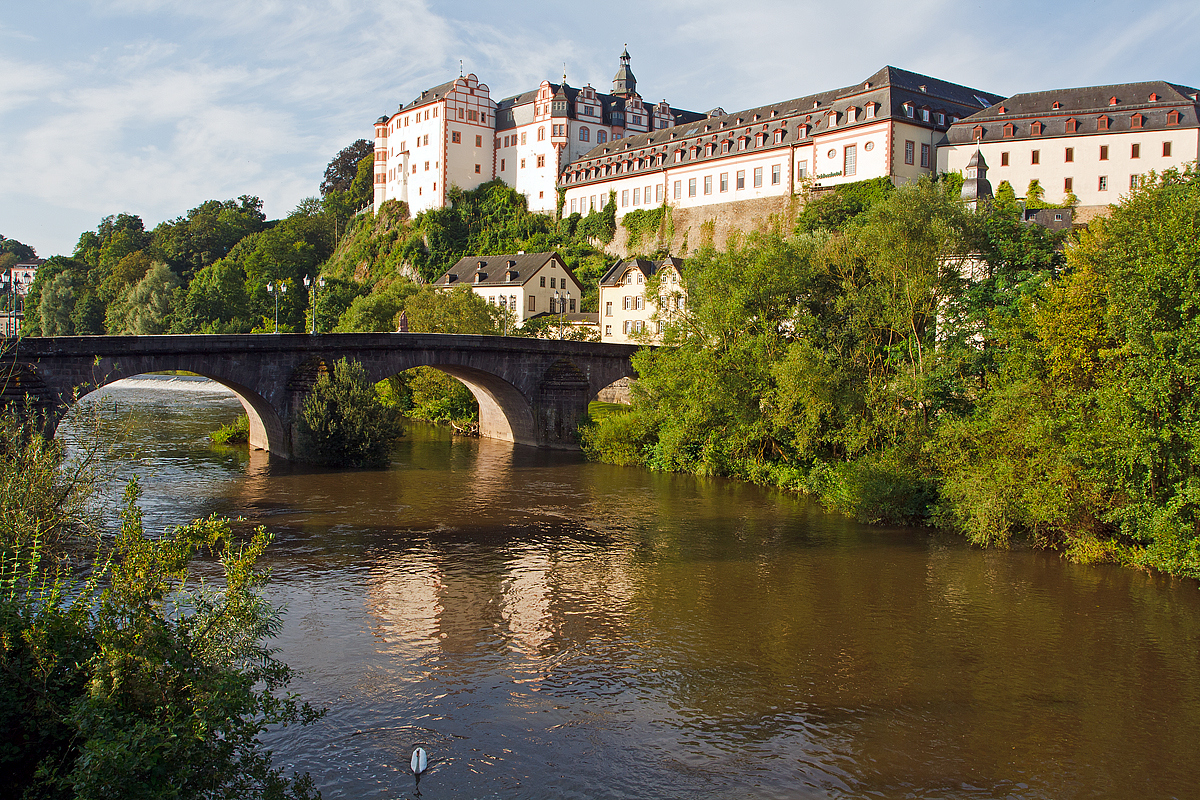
x=907, y=360
x=121, y=674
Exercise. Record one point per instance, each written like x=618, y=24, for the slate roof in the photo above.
x=431, y=95
x=648, y=268
x=891, y=88
x=608, y=104
x=495, y=269
x=1085, y=105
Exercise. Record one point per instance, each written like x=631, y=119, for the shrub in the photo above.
x=343, y=423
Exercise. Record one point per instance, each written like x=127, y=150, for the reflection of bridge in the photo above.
x=530, y=391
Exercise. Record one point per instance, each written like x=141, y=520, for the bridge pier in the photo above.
x=530, y=391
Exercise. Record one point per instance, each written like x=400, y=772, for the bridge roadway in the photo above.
x=530, y=391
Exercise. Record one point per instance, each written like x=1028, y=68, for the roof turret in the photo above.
x=624, y=83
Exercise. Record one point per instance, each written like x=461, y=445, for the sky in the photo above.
x=151, y=107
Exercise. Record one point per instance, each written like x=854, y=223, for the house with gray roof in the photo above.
x=525, y=285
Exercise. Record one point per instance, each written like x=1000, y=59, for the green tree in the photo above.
x=146, y=308
x=214, y=302
x=344, y=168
x=1035, y=195
x=343, y=423
x=456, y=311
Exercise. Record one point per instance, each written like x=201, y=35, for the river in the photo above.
x=548, y=627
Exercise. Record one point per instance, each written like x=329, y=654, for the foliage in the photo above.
x=145, y=308
x=343, y=169
x=120, y=675
x=343, y=423
x=236, y=432
x=600, y=225
x=836, y=208
x=457, y=311
x=648, y=227
x=12, y=252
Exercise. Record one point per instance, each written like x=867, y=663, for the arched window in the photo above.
x=584, y=135
x=601, y=136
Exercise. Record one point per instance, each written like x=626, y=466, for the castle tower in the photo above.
x=624, y=84
x=976, y=188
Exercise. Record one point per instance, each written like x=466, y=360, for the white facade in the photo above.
x=1098, y=168
x=629, y=312
x=524, y=284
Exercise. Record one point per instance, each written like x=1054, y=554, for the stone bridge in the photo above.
x=530, y=391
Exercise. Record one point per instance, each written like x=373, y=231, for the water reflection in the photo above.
x=545, y=627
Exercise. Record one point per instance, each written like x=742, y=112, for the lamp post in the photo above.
x=562, y=307
x=277, y=289
x=314, y=284
x=6, y=283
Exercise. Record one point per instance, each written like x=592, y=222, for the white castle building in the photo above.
x=456, y=135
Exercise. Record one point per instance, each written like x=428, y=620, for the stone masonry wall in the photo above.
x=742, y=216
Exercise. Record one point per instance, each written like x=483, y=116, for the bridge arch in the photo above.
x=504, y=413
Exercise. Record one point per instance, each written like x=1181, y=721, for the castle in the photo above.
x=1081, y=144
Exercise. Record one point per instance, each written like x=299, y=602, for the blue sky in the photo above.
x=152, y=106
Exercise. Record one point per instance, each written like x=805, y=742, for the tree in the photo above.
x=20, y=252
x=343, y=423
x=1035, y=195
x=459, y=310
x=145, y=309
x=344, y=168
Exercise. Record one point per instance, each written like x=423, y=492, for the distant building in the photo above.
x=1094, y=142
x=887, y=126
x=524, y=284
x=627, y=313
x=456, y=135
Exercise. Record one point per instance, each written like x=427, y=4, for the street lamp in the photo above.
x=277, y=289
x=314, y=284
x=562, y=307
x=6, y=284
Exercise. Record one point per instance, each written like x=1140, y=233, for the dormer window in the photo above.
x=871, y=110
x=977, y=132
x=778, y=136
x=1036, y=128
x=1002, y=110
x=908, y=110
x=924, y=115
x=1138, y=120
x=1072, y=125
x=1112, y=101
x=1153, y=97
x=1009, y=129
x=833, y=119
x=851, y=114
x=1173, y=117
x=1102, y=123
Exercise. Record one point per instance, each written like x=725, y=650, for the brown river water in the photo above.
x=547, y=627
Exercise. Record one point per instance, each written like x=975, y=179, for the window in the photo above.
x=601, y=136
x=1166, y=149
x=427, y=166
x=1068, y=185
x=502, y=164
x=708, y=184
x=479, y=141
x=977, y=132
x=572, y=308
x=1133, y=181
x=1137, y=121
x=1069, y=156
x=542, y=133
x=522, y=163
x=741, y=179
x=1035, y=157
x=1172, y=117
x=572, y=204
x=1072, y=125
x=1104, y=183
x=628, y=302
x=692, y=187
x=624, y=198
x=908, y=112
x=658, y=190
x=724, y=181
x=776, y=174
x=1004, y=159
x=608, y=330
x=1009, y=129
x=477, y=169
x=1102, y=123
x=523, y=136
x=778, y=136
x=802, y=170
x=533, y=302
x=541, y=162
x=925, y=153
x=637, y=196
x=678, y=187
x=552, y=279
x=757, y=177
x=1036, y=128
x=608, y=309
x=455, y=137
x=909, y=150
x=639, y=303
x=584, y=135
x=850, y=160
x=1104, y=152
x=925, y=115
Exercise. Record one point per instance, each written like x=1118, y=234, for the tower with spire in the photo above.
x=624, y=83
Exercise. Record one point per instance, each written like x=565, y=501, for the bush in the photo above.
x=343, y=423
x=236, y=432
